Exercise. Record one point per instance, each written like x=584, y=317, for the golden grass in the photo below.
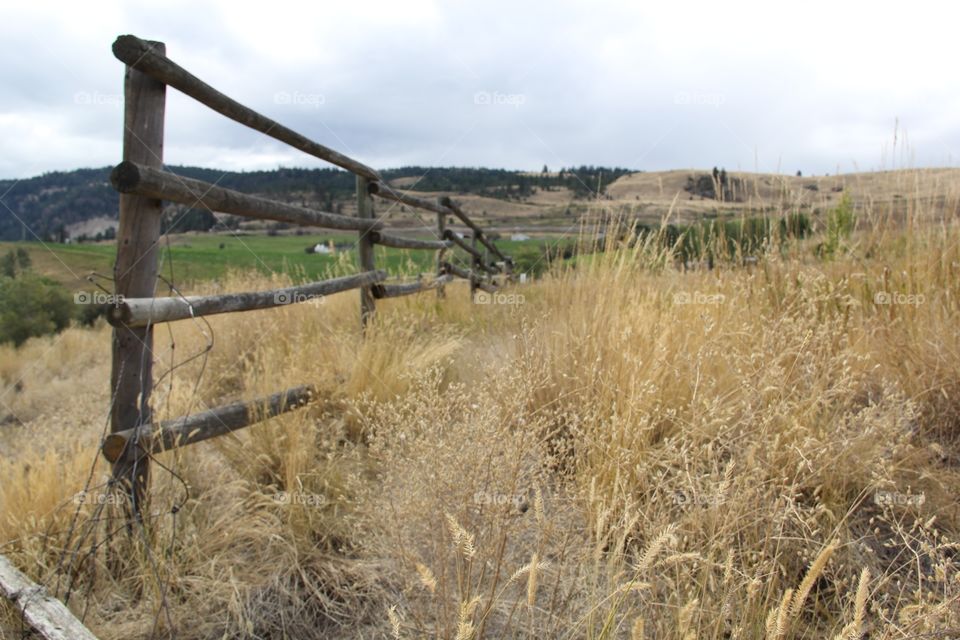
x=747, y=452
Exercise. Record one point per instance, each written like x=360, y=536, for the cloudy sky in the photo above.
x=768, y=86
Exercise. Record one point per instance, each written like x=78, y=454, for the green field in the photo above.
x=202, y=257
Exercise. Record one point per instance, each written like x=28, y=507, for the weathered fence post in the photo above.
x=365, y=250
x=475, y=269
x=135, y=276
x=486, y=261
x=441, y=228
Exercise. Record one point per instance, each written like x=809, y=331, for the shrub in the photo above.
x=711, y=239
x=840, y=223
x=32, y=305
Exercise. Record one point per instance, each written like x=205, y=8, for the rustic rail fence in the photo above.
x=143, y=185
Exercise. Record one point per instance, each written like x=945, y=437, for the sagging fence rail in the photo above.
x=144, y=185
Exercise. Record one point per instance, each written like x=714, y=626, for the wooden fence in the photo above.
x=143, y=185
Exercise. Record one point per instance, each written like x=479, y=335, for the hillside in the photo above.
x=82, y=203
x=653, y=193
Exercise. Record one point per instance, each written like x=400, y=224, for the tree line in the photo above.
x=45, y=206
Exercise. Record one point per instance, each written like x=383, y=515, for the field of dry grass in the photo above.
x=646, y=195
x=621, y=449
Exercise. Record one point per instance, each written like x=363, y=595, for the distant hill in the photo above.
x=82, y=202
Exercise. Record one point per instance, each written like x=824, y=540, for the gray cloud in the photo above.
x=745, y=85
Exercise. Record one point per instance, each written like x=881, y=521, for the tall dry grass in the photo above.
x=765, y=451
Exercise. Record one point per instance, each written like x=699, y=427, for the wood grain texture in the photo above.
x=205, y=425
x=133, y=178
x=45, y=614
x=135, y=273
x=139, y=312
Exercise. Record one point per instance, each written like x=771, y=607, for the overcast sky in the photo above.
x=768, y=86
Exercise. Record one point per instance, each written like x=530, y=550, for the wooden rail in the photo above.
x=480, y=260
x=399, y=242
x=150, y=58
x=477, y=231
x=45, y=614
x=140, y=312
x=397, y=290
x=143, y=185
x=466, y=274
x=386, y=192
x=129, y=177
x=205, y=425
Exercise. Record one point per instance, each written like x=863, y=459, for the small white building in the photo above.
x=321, y=248
x=519, y=237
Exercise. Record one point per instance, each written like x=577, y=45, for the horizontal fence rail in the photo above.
x=386, y=192
x=397, y=290
x=145, y=311
x=143, y=185
x=466, y=274
x=128, y=177
x=399, y=242
x=205, y=425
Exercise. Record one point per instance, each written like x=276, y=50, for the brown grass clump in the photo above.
x=760, y=451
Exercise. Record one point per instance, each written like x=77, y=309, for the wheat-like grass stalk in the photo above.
x=813, y=573
x=664, y=538
x=685, y=617
x=427, y=578
x=854, y=630
x=779, y=618
x=538, y=508
x=462, y=539
x=532, y=581
x=465, y=628
x=395, y=621
x=860, y=602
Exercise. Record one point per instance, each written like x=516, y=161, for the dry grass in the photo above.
x=600, y=461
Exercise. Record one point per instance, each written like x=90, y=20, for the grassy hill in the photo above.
x=626, y=448
x=81, y=203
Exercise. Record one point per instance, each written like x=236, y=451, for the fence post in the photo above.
x=135, y=276
x=475, y=269
x=365, y=250
x=486, y=261
x=441, y=228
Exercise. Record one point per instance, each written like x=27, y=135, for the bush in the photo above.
x=740, y=237
x=840, y=223
x=529, y=260
x=32, y=305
